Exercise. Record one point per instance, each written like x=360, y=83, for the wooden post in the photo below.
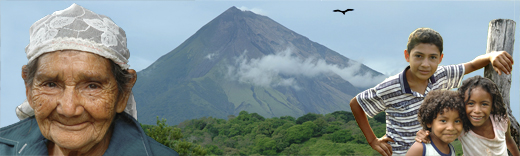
x=501, y=37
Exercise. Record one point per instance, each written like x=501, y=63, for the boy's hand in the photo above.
x=502, y=62
x=381, y=145
x=422, y=136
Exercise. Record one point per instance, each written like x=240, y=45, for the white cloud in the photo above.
x=281, y=69
x=254, y=10
x=210, y=56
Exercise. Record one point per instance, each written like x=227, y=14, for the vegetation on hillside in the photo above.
x=336, y=133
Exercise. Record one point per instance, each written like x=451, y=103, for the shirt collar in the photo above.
x=404, y=83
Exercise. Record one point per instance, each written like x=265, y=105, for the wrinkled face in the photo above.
x=424, y=59
x=479, y=106
x=447, y=126
x=74, y=96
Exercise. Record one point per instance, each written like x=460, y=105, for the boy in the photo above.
x=401, y=95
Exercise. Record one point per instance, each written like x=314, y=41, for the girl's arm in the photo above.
x=511, y=145
x=416, y=149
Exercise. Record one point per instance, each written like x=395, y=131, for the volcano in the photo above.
x=242, y=61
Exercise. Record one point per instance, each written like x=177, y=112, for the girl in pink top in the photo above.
x=489, y=132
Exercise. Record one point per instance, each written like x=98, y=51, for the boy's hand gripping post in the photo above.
x=502, y=62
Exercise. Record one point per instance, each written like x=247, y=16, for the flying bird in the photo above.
x=337, y=10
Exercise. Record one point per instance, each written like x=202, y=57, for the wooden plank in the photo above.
x=501, y=37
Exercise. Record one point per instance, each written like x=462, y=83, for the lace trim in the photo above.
x=77, y=44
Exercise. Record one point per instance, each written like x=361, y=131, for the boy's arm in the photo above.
x=422, y=136
x=380, y=145
x=501, y=60
x=511, y=145
x=416, y=149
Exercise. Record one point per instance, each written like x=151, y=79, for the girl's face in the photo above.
x=479, y=106
x=447, y=126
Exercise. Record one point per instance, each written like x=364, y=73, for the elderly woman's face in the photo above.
x=75, y=98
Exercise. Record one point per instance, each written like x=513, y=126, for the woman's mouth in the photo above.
x=72, y=126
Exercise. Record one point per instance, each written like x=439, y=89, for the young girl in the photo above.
x=489, y=132
x=442, y=113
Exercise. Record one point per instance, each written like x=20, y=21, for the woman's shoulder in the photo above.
x=128, y=138
x=13, y=137
x=21, y=128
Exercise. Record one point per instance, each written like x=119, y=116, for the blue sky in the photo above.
x=375, y=33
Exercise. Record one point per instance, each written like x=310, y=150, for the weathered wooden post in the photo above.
x=501, y=37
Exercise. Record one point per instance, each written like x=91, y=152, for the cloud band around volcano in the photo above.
x=282, y=69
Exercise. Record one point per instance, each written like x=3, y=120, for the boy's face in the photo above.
x=447, y=126
x=424, y=59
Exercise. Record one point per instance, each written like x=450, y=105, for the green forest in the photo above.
x=336, y=133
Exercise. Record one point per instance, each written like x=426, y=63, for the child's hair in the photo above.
x=436, y=102
x=498, y=106
x=424, y=35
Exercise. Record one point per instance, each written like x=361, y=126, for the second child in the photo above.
x=442, y=113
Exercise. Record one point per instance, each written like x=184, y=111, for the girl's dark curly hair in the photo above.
x=436, y=102
x=498, y=107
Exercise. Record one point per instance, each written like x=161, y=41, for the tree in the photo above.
x=343, y=115
x=381, y=117
x=162, y=132
x=265, y=145
x=213, y=149
x=306, y=117
x=172, y=137
x=341, y=136
x=300, y=133
x=321, y=126
x=289, y=118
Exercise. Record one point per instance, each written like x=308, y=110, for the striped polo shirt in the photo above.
x=401, y=104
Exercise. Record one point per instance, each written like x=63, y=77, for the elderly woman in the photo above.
x=78, y=83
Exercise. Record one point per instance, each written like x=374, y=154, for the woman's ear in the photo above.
x=24, y=77
x=24, y=74
x=127, y=91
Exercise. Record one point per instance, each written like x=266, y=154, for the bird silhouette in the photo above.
x=337, y=10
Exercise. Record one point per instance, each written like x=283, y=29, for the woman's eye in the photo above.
x=457, y=121
x=93, y=86
x=443, y=121
x=50, y=84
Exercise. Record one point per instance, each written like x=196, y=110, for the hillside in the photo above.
x=251, y=134
x=242, y=61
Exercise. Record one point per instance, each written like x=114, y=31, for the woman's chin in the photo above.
x=72, y=140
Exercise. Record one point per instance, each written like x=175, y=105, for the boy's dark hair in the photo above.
x=498, y=107
x=436, y=102
x=424, y=35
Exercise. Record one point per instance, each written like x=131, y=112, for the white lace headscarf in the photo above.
x=79, y=29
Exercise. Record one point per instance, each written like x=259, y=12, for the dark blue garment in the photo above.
x=128, y=138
